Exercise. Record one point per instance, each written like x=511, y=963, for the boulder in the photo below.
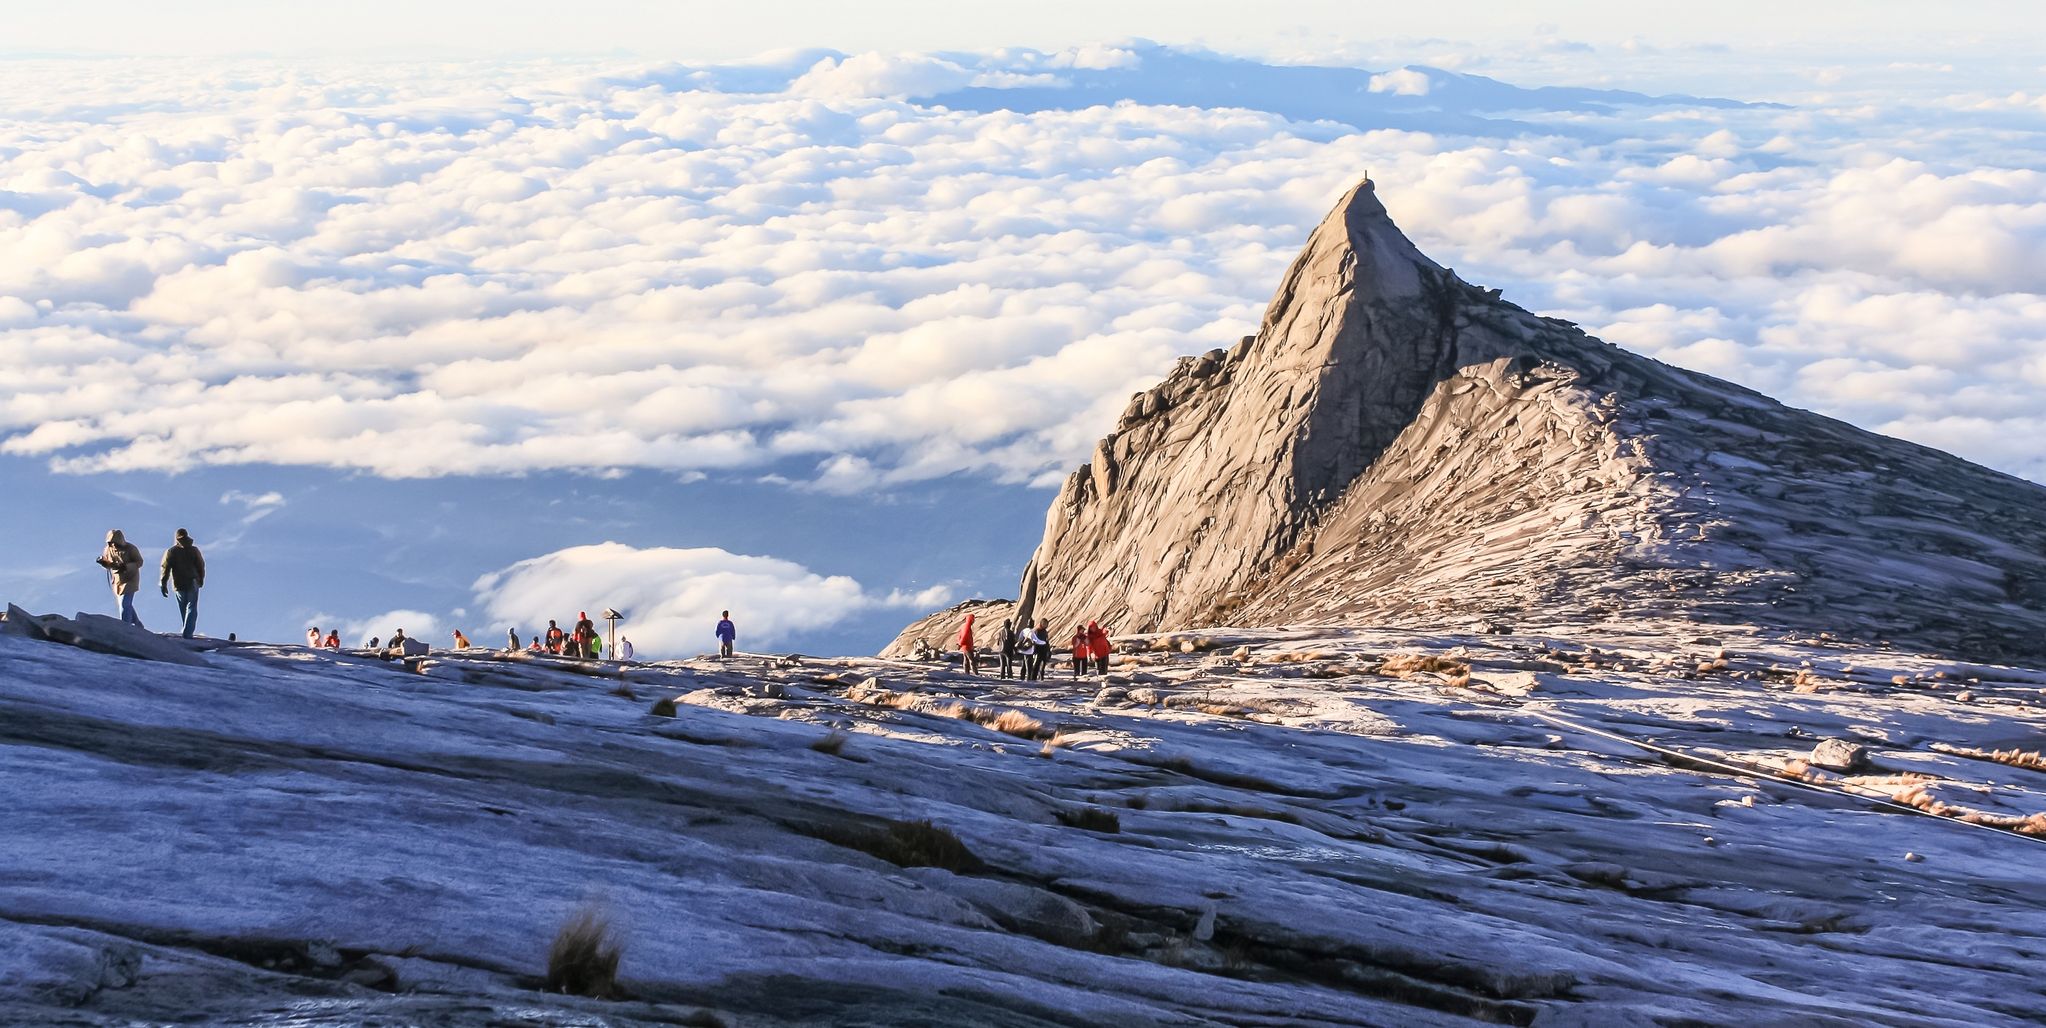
x=1838, y=755
x=940, y=630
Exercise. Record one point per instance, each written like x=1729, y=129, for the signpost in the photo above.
x=614, y=617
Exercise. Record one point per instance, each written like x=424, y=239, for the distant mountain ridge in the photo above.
x=1396, y=446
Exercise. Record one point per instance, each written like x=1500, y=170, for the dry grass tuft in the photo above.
x=1403, y=665
x=663, y=707
x=624, y=692
x=583, y=961
x=2032, y=760
x=923, y=844
x=1917, y=796
x=1092, y=819
x=1017, y=723
x=831, y=743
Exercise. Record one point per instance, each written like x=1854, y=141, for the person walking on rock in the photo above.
x=554, y=636
x=1008, y=648
x=513, y=635
x=727, y=634
x=1097, y=645
x=185, y=568
x=1082, y=652
x=969, y=660
x=123, y=561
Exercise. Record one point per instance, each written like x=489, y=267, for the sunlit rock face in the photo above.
x=1396, y=446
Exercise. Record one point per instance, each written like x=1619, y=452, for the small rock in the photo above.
x=1204, y=929
x=1838, y=755
x=1913, y=858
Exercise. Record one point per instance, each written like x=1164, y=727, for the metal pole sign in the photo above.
x=614, y=617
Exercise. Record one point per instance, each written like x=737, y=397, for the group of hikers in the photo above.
x=1026, y=651
x=184, y=568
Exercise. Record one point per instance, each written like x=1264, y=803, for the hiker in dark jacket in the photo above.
x=727, y=634
x=1008, y=648
x=123, y=561
x=185, y=568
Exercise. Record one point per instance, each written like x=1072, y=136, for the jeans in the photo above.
x=725, y=648
x=188, y=609
x=128, y=610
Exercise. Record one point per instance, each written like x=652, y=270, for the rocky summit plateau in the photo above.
x=1466, y=670
x=1397, y=447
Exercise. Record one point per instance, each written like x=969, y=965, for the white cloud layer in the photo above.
x=493, y=269
x=672, y=597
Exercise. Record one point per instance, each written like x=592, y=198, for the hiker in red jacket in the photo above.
x=1097, y=645
x=972, y=663
x=1081, y=653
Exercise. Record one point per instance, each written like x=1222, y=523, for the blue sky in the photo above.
x=813, y=333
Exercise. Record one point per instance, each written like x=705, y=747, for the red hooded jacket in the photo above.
x=1097, y=640
x=966, y=634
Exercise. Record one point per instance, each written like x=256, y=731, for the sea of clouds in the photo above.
x=811, y=269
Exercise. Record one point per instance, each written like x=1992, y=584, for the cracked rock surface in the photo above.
x=1300, y=826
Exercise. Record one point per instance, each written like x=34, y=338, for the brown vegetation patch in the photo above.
x=1406, y=665
x=1092, y=819
x=663, y=707
x=2028, y=824
x=831, y=743
x=2032, y=760
x=583, y=961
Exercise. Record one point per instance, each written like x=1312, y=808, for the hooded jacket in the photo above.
x=183, y=566
x=966, y=634
x=1097, y=640
x=123, y=561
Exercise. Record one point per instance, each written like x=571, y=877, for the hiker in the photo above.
x=1008, y=648
x=727, y=634
x=1026, y=651
x=513, y=633
x=553, y=637
x=312, y=637
x=625, y=650
x=123, y=561
x=536, y=646
x=373, y=640
x=1042, y=635
x=596, y=646
x=397, y=642
x=970, y=661
x=461, y=641
x=1083, y=654
x=1097, y=644
x=184, y=567
x=333, y=640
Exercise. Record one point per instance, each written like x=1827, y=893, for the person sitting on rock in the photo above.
x=333, y=641
x=373, y=641
x=123, y=561
x=1097, y=645
x=461, y=641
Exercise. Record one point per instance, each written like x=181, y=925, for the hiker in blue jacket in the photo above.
x=726, y=633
